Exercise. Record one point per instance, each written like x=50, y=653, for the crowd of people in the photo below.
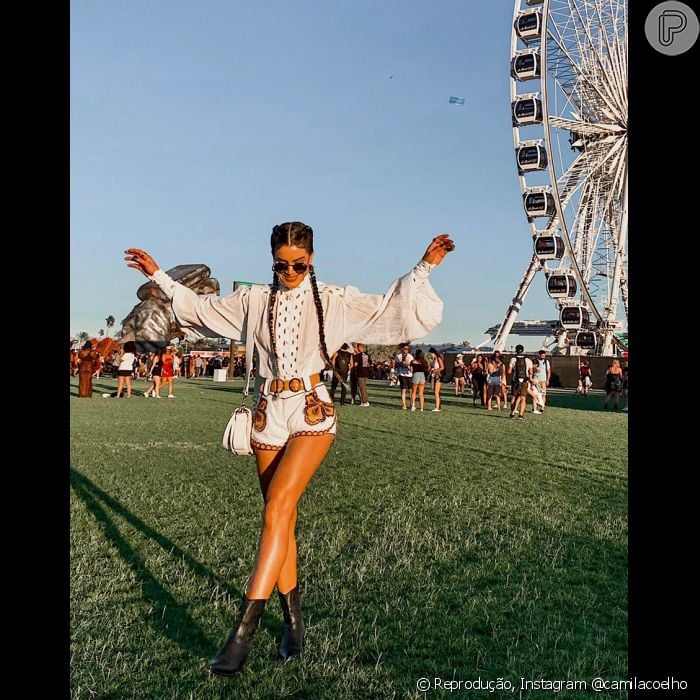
x=488, y=376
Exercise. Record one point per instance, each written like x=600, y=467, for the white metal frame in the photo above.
x=583, y=88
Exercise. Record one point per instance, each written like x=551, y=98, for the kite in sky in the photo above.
x=456, y=100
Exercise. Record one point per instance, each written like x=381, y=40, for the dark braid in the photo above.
x=321, y=330
x=271, y=324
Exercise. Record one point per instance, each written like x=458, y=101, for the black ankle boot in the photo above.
x=293, y=639
x=236, y=648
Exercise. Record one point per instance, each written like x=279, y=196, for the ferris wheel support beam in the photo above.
x=609, y=334
x=515, y=306
x=553, y=177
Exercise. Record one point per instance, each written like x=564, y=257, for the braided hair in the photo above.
x=298, y=234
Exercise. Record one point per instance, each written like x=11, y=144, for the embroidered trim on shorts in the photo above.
x=313, y=432
x=263, y=446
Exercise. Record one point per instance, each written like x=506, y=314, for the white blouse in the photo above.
x=409, y=310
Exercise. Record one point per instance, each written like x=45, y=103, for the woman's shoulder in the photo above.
x=326, y=289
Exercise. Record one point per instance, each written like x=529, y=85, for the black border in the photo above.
x=662, y=145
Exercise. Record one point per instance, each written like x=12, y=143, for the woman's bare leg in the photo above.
x=267, y=465
x=302, y=457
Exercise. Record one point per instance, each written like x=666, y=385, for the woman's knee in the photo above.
x=279, y=508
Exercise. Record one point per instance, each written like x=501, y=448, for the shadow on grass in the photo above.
x=171, y=619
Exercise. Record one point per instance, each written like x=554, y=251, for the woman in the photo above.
x=295, y=420
x=458, y=374
x=437, y=366
x=478, y=374
x=420, y=369
x=99, y=360
x=125, y=370
x=86, y=360
x=167, y=370
x=613, y=384
x=156, y=368
x=494, y=371
x=504, y=380
x=585, y=377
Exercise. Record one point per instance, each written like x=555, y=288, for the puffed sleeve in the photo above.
x=409, y=310
x=206, y=315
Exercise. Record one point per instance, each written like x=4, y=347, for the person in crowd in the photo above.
x=585, y=378
x=494, y=370
x=421, y=370
x=520, y=372
x=125, y=370
x=168, y=370
x=361, y=366
x=295, y=420
x=99, y=362
x=403, y=372
x=458, y=374
x=478, y=375
x=86, y=361
x=504, y=379
x=156, y=368
x=437, y=367
x=613, y=384
x=541, y=374
x=624, y=386
x=342, y=364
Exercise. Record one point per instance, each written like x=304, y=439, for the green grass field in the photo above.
x=458, y=545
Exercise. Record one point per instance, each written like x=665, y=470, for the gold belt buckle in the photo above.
x=279, y=385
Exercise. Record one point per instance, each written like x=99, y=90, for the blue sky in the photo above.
x=197, y=126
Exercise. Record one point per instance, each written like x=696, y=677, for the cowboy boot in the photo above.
x=293, y=640
x=236, y=648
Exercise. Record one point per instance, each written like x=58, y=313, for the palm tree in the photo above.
x=83, y=336
x=102, y=332
x=110, y=320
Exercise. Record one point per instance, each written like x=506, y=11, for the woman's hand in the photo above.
x=441, y=245
x=141, y=260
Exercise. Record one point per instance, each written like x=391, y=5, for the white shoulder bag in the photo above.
x=237, y=434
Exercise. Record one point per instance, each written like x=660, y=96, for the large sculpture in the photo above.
x=151, y=323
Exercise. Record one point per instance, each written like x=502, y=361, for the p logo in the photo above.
x=671, y=22
x=672, y=28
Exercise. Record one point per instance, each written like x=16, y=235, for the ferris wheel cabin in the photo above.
x=531, y=156
x=539, y=202
x=586, y=340
x=532, y=3
x=528, y=25
x=574, y=317
x=526, y=110
x=526, y=65
x=549, y=247
x=561, y=286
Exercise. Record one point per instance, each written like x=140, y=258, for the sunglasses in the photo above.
x=297, y=267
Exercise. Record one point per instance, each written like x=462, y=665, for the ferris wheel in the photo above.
x=570, y=135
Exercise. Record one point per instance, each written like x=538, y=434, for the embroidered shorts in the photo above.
x=277, y=420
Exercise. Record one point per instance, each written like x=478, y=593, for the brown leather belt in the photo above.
x=277, y=386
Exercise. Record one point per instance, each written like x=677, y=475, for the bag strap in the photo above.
x=254, y=298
